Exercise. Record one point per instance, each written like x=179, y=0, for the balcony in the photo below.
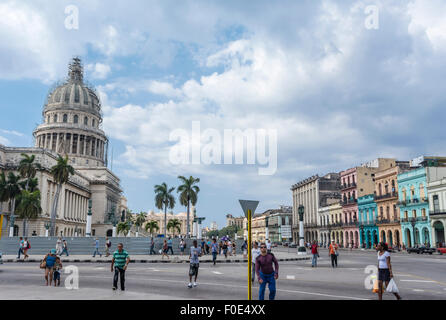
x=387, y=221
x=417, y=219
x=348, y=186
x=349, y=201
x=437, y=212
x=388, y=195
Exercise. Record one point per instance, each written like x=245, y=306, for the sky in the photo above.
x=340, y=83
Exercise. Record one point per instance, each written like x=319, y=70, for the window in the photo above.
x=423, y=212
x=406, y=215
x=67, y=95
x=436, y=203
x=414, y=213
x=404, y=194
x=48, y=119
x=93, y=123
x=55, y=118
x=86, y=121
x=76, y=94
x=76, y=119
x=65, y=118
x=422, y=194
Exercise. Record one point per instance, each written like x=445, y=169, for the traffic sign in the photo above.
x=285, y=231
x=248, y=205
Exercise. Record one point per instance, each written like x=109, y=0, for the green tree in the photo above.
x=139, y=221
x=29, y=184
x=151, y=226
x=188, y=195
x=28, y=168
x=173, y=225
x=29, y=207
x=163, y=200
x=61, y=174
x=10, y=191
x=123, y=227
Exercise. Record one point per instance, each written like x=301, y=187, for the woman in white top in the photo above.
x=384, y=269
x=59, y=246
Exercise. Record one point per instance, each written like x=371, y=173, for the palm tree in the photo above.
x=29, y=184
x=173, y=225
x=29, y=207
x=151, y=226
x=163, y=200
x=139, y=221
x=27, y=168
x=123, y=227
x=188, y=195
x=61, y=173
x=10, y=191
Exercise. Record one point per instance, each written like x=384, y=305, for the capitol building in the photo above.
x=71, y=126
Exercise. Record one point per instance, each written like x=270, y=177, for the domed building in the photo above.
x=72, y=126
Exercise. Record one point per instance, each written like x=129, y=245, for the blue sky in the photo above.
x=337, y=93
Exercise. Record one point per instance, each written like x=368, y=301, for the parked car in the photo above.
x=441, y=250
x=285, y=244
x=1, y=259
x=292, y=245
x=274, y=245
x=421, y=250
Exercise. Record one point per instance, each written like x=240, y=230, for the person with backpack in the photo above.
x=265, y=272
x=48, y=263
x=107, y=246
x=26, y=247
x=20, y=247
x=64, y=248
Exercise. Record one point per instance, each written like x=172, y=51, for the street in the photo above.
x=417, y=276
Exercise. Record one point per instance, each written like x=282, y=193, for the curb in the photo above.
x=149, y=261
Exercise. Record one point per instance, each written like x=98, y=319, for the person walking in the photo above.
x=315, y=254
x=26, y=247
x=64, y=248
x=96, y=250
x=152, y=247
x=107, y=246
x=245, y=249
x=21, y=241
x=333, y=253
x=165, y=249
x=120, y=261
x=225, y=249
x=169, y=245
x=182, y=246
x=384, y=269
x=195, y=253
x=214, y=247
x=49, y=261
x=220, y=247
x=230, y=247
x=59, y=245
x=268, y=246
x=56, y=275
x=266, y=274
x=255, y=252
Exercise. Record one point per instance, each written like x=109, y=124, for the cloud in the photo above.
x=4, y=141
x=12, y=132
x=98, y=70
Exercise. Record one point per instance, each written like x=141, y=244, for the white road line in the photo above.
x=216, y=272
x=428, y=281
x=417, y=290
x=291, y=277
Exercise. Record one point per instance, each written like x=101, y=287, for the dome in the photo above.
x=74, y=94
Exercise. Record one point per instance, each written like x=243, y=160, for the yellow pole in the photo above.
x=1, y=225
x=249, y=257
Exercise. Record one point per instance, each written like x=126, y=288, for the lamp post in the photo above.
x=11, y=226
x=361, y=227
x=89, y=214
x=301, y=249
x=113, y=219
x=47, y=228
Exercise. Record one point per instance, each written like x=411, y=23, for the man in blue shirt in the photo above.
x=96, y=243
x=214, y=247
x=169, y=245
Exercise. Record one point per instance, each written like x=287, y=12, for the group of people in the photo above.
x=24, y=246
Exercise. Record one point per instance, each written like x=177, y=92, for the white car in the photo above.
x=1, y=260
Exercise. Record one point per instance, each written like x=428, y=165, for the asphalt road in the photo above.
x=417, y=276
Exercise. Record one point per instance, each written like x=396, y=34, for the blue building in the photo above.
x=414, y=207
x=368, y=215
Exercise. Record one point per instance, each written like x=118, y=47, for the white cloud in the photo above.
x=164, y=89
x=4, y=141
x=98, y=70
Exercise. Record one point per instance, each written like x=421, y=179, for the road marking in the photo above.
x=417, y=290
x=291, y=277
x=429, y=281
x=216, y=272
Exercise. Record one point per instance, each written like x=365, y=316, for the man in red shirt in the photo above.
x=266, y=273
x=315, y=254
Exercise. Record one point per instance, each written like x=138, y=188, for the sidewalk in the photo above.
x=280, y=256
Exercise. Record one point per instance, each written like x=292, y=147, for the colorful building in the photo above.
x=368, y=215
x=335, y=225
x=386, y=198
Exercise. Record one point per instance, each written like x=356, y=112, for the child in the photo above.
x=57, y=268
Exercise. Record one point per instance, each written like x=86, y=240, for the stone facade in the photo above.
x=182, y=217
x=72, y=119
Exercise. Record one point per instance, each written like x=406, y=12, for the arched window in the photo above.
x=65, y=118
x=86, y=121
x=48, y=119
x=76, y=119
x=422, y=194
x=55, y=118
x=93, y=122
x=404, y=194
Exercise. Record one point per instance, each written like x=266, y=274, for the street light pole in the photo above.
x=88, y=228
x=301, y=249
x=249, y=256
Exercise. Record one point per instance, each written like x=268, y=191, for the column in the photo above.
x=57, y=142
